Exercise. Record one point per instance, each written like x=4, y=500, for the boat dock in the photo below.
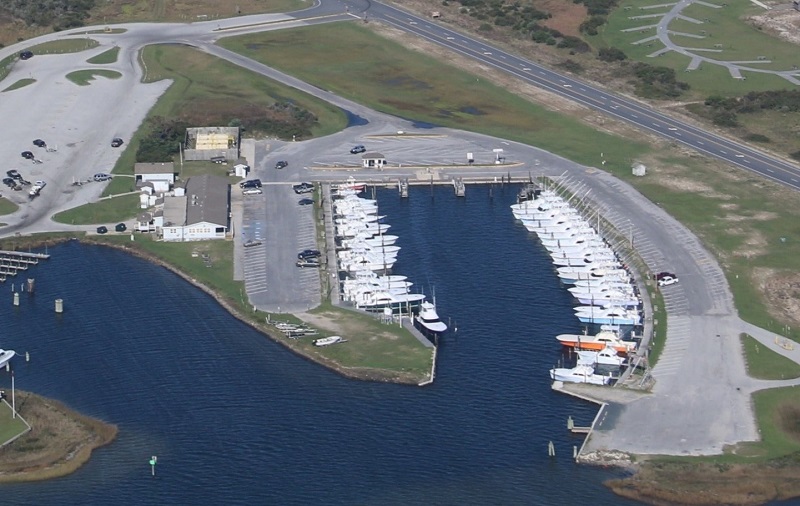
x=11, y=262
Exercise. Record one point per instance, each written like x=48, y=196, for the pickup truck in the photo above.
x=36, y=188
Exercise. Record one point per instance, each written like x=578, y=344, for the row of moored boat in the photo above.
x=366, y=254
x=602, y=285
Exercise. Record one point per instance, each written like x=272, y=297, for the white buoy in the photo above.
x=16, y=298
x=59, y=306
x=27, y=357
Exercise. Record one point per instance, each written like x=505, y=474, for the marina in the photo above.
x=491, y=407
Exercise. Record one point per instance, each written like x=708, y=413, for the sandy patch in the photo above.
x=567, y=16
x=782, y=292
x=782, y=20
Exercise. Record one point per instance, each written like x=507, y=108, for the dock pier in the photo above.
x=11, y=262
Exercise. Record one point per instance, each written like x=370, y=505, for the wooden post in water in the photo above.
x=570, y=423
x=16, y=298
x=551, y=449
x=31, y=285
x=574, y=452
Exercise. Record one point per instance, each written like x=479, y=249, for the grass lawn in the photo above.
x=64, y=46
x=207, y=87
x=763, y=363
x=105, y=57
x=107, y=211
x=6, y=64
x=9, y=427
x=20, y=84
x=413, y=85
x=85, y=77
x=371, y=344
x=722, y=29
x=7, y=207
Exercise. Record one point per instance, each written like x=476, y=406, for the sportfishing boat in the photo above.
x=428, y=319
x=603, y=339
x=327, y=341
x=354, y=228
x=5, y=356
x=579, y=374
x=569, y=275
x=608, y=315
x=398, y=303
x=369, y=240
x=591, y=259
x=608, y=299
x=606, y=356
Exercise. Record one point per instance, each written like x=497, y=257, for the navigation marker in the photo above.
x=153, y=461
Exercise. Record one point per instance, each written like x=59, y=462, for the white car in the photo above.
x=251, y=191
x=667, y=280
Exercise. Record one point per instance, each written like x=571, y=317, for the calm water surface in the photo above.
x=236, y=419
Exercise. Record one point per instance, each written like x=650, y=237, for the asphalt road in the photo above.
x=618, y=106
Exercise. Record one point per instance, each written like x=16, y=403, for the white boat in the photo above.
x=608, y=315
x=609, y=299
x=591, y=259
x=579, y=374
x=372, y=254
x=428, y=319
x=570, y=277
x=589, y=285
x=606, y=356
x=370, y=240
x=377, y=301
x=5, y=356
x=355, y=228
x=327, y=341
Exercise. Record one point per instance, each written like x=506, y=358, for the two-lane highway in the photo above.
x=617, y=106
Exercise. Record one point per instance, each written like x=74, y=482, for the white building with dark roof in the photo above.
x=202, y=214
x=161, y=176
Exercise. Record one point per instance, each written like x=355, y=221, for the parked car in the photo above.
x=13, y=174
x=282, y=164
x=102, y=230
x=39, y=143
x=303, y=188
x=665, y=274
x=121, y=227
x=305, y=202
x=250, y=183
x=28, y=155
x=307, y=263
x=26, y=55
x=667, y=280
x=116, y=142
x=309, y=253
x=9, y=182
x=102, y=176
x=357, y=149
x=251, y=191
x=219, y=159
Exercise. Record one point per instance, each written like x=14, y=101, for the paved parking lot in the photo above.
x=273, y=282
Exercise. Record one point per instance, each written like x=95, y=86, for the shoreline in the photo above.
x=362, y=374
x=52, y=453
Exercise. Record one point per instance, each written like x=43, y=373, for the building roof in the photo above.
x=207, y=200
x=175, y=212
x=373, y=156
x=154, y=168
